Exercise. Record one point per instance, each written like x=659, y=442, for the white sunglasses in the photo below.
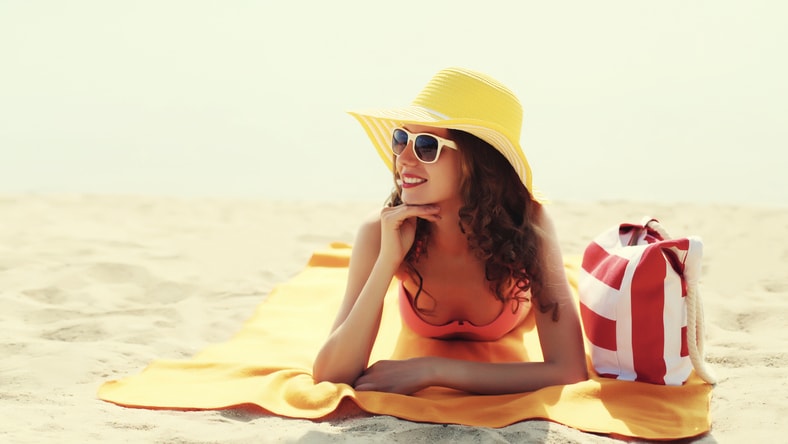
x=427, y=147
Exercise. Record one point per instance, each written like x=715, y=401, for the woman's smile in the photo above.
x=411, y=181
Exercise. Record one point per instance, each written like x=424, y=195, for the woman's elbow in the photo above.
x=573, y=374
x=335, y=378
x=324, y=372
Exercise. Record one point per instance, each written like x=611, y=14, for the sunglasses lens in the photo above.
x=426, y=148
x=399, y=140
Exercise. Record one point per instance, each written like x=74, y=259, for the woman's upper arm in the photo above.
x=366, y=248
x=562, y=339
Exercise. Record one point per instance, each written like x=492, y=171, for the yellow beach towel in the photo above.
x=268, y=364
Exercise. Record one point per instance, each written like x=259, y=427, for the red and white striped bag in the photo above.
x=640, y=306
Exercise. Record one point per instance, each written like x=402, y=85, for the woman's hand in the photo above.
x=398, y=228
x=403, y=377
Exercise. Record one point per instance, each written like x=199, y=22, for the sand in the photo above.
x=95, y=287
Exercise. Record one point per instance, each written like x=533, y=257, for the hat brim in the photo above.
x=379, y=124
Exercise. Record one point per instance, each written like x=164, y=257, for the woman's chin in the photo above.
x=411, y=200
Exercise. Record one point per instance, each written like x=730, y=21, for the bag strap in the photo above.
x=646, y=224
x=695, y=329
x=656, y=226
x=695, y=319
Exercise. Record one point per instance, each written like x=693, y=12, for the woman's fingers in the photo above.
x=393, y=376
x=362, y=385
x=400, y=213
x=371, y=378
x=398, y=227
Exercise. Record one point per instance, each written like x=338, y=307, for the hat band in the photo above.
x=435, y=113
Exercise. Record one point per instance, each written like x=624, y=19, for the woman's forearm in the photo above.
x=502, y=378
x=345, y=355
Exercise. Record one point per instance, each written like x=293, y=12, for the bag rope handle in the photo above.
x=695, y=329
x=695, y=319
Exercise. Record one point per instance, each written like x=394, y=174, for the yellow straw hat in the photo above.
x=462, y=99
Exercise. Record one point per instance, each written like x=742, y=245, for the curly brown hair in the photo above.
x=496, y=218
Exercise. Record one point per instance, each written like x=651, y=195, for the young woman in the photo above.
x=470, y=248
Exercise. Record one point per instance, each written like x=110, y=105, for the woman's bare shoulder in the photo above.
x=370, y=224
x=367, y=240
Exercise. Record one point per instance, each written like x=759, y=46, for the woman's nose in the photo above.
x=408, y=157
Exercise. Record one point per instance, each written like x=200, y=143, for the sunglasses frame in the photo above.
x=412, y=138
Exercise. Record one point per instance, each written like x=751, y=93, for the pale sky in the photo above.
x=666, y=101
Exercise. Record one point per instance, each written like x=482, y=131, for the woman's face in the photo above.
x=431, y=183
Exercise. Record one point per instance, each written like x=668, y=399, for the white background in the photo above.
x=650, y=101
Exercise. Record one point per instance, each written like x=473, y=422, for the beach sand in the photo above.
x=94, y=288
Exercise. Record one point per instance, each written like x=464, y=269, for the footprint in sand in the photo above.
x=775, y=285
x=47, y=295
x=111, y=272
x=165, y=292
x=82, y=332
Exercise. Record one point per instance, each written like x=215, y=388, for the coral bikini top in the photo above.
x=507, y=320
